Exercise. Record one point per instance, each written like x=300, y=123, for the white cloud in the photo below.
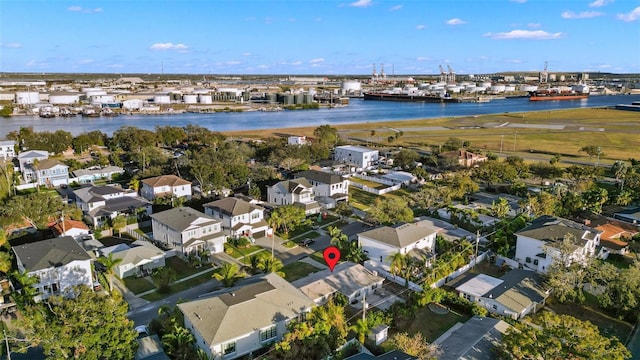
x=316, y=60
x=524, y=34
x=11, y=45
x=419, y=27
x=534, y=25
x=232, y=62
x=456, y=21
x=86, y=61
x=519, y=1
x=297, y=62
x=423, y=58
x=396, y=8
x=115, y=66
x=246, y=54
x=263, y=66
x=632, y=16
x=83, y=10
x=361, y=3
x=581, y=15
x=169, y=46
x=600, y=3
x=268, y=21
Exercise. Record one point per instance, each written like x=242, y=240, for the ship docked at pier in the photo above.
x=410, y=97
x=577, y=93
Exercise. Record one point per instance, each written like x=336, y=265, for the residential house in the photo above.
x=99, y=204
x=50, y=172
x=463, y=158
x=96, y=173
x=7, y=149
x=188, y=231
x=390, y=355
x=359, y=157
x=296, y=140
x=240, y=321
x=516, y=294
x=165, y=185
x=138, y=259
x=542, y=243
x=150, y=348
x=294, y=192
x=71, y=228
x=328, y=188
x=631, y=215
x=351, y=280
x=239, y=217
x=476, y=339
x=59, y=264
x=412, y=239
x=616, y=234
x=26, y=160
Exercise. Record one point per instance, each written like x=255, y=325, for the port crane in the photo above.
x=443, y=75
x=452, y=75
x=544, y=75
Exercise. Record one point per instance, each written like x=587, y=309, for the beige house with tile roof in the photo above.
x=240, y=321
x=165, y=185
x=407, y=238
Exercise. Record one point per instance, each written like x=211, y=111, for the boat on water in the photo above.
x=108, y=112
x=410, y=97
x=550, y=95
x=90, y=112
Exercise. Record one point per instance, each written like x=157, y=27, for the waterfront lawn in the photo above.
x=298, y=270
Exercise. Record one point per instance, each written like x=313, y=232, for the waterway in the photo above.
x=358, y=111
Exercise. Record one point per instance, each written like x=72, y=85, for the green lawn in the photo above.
x=238, y=253
x=432, y=325
x=289, y=244
x=317, y=256
x=261, y=255
x=361, y=199
x=138, y=285
x=371, y=184
x=298, y=270
x=177, y=287
x=181, y=267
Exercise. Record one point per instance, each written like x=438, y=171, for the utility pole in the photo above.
x=364, y=306
x=475, y=261
x=6, y=341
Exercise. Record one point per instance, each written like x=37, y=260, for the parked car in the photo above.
x=308, y=242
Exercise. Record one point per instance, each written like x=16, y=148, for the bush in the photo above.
x=243, y=243
x=228, y=251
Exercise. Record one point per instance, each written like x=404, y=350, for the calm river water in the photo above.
x=358, y=111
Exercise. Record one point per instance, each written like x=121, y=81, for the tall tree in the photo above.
x=361, y=328
x=560, y=337
x=271, y=265
x=110, y=263
x=88, y=326
x=287, y=218
x=179, y=343
x=414, y=345
x=620, y=169
x=390, y=211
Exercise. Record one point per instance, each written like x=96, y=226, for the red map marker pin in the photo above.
x=331, y=256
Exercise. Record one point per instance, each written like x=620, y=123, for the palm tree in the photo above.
x=398, y=263
x=163, y=277
x=109, y=264
x=118, y=223
x=5, y=261
x=179, y=342
x=28, y=291
x=361, y=327
x=271, y=265
x=254, y=263
x=229, y=274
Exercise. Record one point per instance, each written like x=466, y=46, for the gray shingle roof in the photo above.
x=400, y=235
x=50, y=253
x=232, y=206
x=553, y=229
x=519, y=289
x=241, y=311
x=181, y=218
x=475, y=339
x=320, y=176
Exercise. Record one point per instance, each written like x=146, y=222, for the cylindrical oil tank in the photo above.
x=307, y=99
x=454, y=89
x=528, y=88
x=510, y=88
x=299, y=99
x=162, y=99
x=349, y=86
x=190, y=99
x=272, y=98
x=288, y=99
x=204, y=99
x=498, y=88
x=485, y=84
x=64, y=98
x=27, y=97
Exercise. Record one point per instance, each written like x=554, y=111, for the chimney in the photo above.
x=587, y=222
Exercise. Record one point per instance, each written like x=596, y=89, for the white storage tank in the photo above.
x=103, y=99
x=132, y=104
x=201, y=91
x=204, y=99
x=581, y=88
x=351, y=86
x=454, y=89
x=27, y=97
x=510, y=88
x=528, y=88
x=162, y=99
x=63, y=98
x=485, y=84
x=95, y=92
x=497, y=88
x=190, y=99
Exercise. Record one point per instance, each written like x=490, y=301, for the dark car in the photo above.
x=308, y=242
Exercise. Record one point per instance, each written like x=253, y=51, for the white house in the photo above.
x=539, y=245
x=138, y=259
x=58, y=264
x=243, y=320
x=7, y=149
x=349, y=279
x=416, y=240
x=71, y=228
x=96, y=173
x=26, y=160
x=360, y=157
x=239, y=217
x=101, y=203
x=188, y=230
x=294, y=192
x=328, y=188
x=296, y=140
x=515, y=295
x=165, y=185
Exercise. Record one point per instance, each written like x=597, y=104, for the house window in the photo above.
x=255, y=216
x=535, y=261
x=268, y=334
x=229, y=348
x=528, y=260
x=495, y=307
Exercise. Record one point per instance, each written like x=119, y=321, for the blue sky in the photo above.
x=319, y=37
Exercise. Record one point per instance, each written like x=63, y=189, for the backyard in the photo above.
x=298, y=270
x=432, y=325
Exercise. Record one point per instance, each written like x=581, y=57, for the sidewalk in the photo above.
x=132, y=299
